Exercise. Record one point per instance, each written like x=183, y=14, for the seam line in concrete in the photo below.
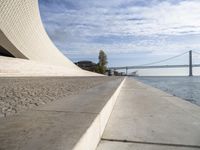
x=151, y=143
x=58, y=111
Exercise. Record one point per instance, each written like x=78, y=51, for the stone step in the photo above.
x=75, y=123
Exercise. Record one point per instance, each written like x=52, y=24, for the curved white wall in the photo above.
x=23, y=35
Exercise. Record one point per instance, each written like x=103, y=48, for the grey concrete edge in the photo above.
x=88, y=141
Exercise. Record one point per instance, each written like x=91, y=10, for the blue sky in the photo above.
x=131, y=32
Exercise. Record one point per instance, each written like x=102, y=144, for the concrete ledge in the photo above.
x=76, y=123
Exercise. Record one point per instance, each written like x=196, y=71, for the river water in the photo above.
x=187, y=88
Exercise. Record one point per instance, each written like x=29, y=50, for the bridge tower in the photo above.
x=190, y=63
x=126, y=70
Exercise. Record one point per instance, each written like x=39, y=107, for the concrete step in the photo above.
x=75, y=123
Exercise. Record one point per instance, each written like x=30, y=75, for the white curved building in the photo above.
x=22, y=35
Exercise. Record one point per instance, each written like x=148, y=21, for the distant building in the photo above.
x=87, y=65
x=111, y=72
x=134, y=73
x=116, y=73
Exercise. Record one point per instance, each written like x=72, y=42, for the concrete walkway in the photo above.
x=145, y=118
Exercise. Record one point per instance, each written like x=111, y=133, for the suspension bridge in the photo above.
x=152, y=65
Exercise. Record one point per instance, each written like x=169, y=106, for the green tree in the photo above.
x=101, y=67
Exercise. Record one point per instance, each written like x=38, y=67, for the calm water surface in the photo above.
x=187, y=88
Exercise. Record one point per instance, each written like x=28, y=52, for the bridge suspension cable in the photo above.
x=196, y=52
x=151, y=65
x=160, y=61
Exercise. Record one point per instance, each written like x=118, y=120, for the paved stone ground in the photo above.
x=145, y=118
x=21, y=93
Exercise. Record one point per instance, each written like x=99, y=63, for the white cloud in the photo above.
x=73, y=29
x=163, y=18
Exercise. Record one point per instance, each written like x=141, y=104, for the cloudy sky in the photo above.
x=132, y=32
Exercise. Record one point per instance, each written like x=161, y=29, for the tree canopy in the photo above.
x=101, y=67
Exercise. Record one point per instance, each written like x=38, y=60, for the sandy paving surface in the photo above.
x=19, y=94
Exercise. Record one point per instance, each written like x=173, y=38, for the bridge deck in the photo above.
x=151, y=67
